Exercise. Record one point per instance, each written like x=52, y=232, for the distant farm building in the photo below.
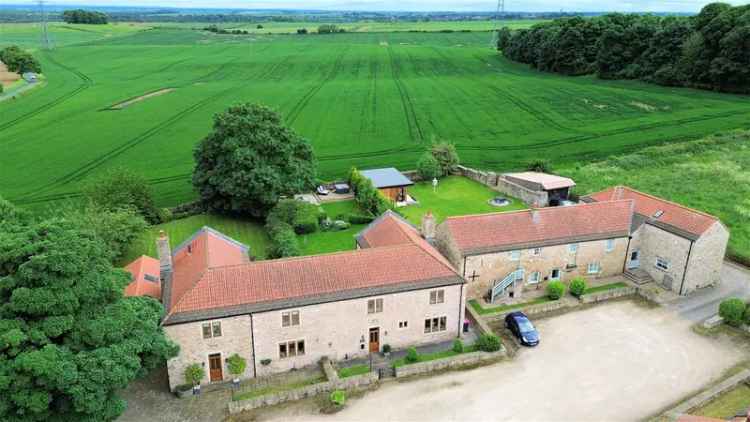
x=556, y=187
x=391, y=182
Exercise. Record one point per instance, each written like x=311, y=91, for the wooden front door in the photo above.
x=374, y=340
x=214, y=365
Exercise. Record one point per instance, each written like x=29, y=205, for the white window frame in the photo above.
x=437, y=296
x=609, y=245
x=662, y=263
x=551, y=274
x=596, y=266
x=291, y=316
x=536, y=251
x=377, y=306
x=573, y=248
x=402, y=325
x=534, y=278
x=437, y=324
x=211, y=325
x=296, y=343
x=515, y=255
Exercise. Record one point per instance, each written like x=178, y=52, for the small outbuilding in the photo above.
x=391, y=182
x=30, y=77
x=556, y=187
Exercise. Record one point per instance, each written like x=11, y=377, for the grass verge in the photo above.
x=426, y=357
x=257, y=392
x=728, y=404
x=353, y=371
x=604, y=287
x=503, y=308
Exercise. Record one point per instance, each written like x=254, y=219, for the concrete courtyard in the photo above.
x=618, y=361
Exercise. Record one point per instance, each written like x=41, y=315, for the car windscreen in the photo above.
x=524, y=325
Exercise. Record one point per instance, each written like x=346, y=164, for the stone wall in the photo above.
x=453, y=362
x=707, y=259
x=340, y=330
x=496, y=266
x=608, y=294
x=654, y=242
x=707, y=395
x=333, y=383
x=235, y=338
x=499, y=183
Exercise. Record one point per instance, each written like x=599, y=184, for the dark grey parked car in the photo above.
x=518, y=324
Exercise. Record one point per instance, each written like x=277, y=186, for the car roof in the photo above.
x=517, y=314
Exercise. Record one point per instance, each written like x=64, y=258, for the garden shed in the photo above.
x=391, y=182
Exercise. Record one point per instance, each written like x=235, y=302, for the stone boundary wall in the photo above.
x=499, y=183
x=453, y=362
x=333, y=383
x=708, y=395
x=477, y=320
x=608, y=294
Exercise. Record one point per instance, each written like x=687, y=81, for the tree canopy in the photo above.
x=250, y=160
x=121, y=189
x=69, y=340
x=707, y=51
x=19, y=61
x=85, y=17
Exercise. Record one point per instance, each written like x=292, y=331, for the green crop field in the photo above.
x=365, y=99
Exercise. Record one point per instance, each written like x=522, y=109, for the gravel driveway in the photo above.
x=618, y=361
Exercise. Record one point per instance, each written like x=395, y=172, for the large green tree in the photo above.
x=69, y=340
x=122, y=189
x=250, y=160
x=115, y=229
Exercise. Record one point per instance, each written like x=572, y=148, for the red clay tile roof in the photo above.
x=675, y=215
x=140, y=286
x=203, y=290
x=557, y=225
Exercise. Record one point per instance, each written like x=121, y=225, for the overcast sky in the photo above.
x=416, y=5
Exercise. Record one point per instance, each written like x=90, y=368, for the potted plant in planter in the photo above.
x=387, y=350
x=193, y=375
x=237, y=365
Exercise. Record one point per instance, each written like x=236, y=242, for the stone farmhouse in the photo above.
x=680, y=248
x=618, y=231
x=289, y=313
x=404, y=286
x=512, y=252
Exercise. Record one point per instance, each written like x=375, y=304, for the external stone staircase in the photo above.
x=638, y=276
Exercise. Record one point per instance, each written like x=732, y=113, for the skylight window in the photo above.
x=151, y=278
x=658, y=214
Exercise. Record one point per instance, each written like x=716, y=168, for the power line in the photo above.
x=498, y=12
x=46, y=44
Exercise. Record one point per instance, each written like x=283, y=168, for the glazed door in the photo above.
x=215, y=369
x=634, y=260
x=374, y=340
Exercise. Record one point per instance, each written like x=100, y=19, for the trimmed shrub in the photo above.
x=555, y=290
x=428, y=167
x=733, y=311
x=338, y=397
x=578, y=286
x=237, y=365
x=386, y=348
x=265, y=362
x=194, y=373
x=360, y=219
x=412, y=356
x=306, y=219
x=283, y=240
x=339, y=225
x=488, y=343
x=458, y=345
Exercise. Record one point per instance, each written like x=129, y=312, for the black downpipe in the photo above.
x=464, y=269
x=684, y=272
x=460, y=305
x=627, y=255
x=252, y=340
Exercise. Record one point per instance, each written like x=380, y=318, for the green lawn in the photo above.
x=353, y=371
x=248, y=232
x=332, y=241
x=604, y=287
x=454, y=195
x=257, y=392
x=504, y=308
x=433, y=356
x=711, y=175
x=728, y=404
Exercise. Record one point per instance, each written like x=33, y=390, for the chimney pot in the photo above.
x=165, y=254
x=428, y=226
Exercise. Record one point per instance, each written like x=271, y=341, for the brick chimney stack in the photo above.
x=428, y=226
x=165, y=254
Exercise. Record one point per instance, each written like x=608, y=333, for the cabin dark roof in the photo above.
x=386, y=178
